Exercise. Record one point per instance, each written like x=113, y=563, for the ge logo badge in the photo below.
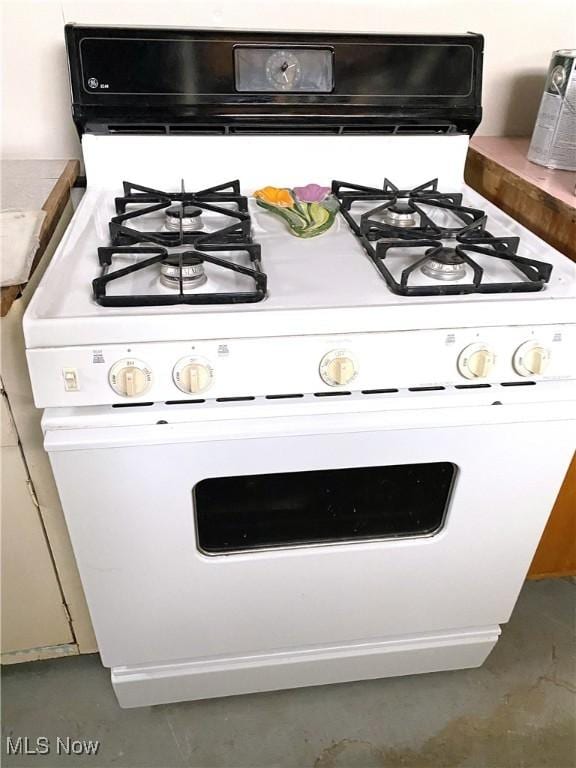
x=92, y=82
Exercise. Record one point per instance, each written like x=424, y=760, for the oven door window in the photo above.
x=248, y=512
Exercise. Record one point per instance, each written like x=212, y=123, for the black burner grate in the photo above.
x=469, y=236
x=224, y=200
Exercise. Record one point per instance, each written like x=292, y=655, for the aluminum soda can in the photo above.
x=554, y=138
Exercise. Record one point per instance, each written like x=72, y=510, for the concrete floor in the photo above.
x=517, y=711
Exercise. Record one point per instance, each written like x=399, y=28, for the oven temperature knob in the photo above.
x=130, y=378
x=192, y=375
x=531, y=359
x=476, y=361
x=338, y=367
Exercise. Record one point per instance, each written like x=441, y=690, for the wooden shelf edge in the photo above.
x=536, y=209
x=54, y=206
x=528, y=187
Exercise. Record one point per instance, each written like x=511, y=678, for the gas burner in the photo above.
x=163, y=254
x=179, y=271
x=400, y=215
x=422, y=212
x=186, y=269
x=436, y=260
x=445, y=263
x=185, y=217
x=416, y=222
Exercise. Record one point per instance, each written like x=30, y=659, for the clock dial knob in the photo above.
x=338, y=367
x=476, y=361
x=130, y=378
x=531, y=359
x=283, y=70
x=192, y=375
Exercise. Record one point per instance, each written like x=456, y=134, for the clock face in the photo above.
x=299, y=69
x=283, y=70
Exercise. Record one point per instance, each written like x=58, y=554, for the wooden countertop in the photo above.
x=511, y=154
x=34, y=185
x=541, y=199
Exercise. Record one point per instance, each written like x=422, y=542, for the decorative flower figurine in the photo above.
x=311, y=193
x=275, y=196
x=308, y=211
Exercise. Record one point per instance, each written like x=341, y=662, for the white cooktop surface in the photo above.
x=331, y=270
x=326, y=284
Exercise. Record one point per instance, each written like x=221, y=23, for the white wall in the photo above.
x=520, y=36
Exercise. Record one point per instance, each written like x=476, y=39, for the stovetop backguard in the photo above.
x=184, y=81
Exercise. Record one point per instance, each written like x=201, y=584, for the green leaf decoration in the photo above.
x=305, y=220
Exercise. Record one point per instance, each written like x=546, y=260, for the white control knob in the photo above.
x=192, y=375
x=531, y=359
x=476, y=361
x=338, y=367
x=130, y=378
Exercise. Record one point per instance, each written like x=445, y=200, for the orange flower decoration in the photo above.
x=275, y=196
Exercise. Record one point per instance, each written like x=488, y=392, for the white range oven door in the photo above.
x=258, y=547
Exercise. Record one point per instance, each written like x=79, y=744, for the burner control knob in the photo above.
x=531, y=359
x=338, y=367
x=130, y=378
x=476, y=361
x=192, y=375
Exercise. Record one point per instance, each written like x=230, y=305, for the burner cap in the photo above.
x=193, y=274
x=189, y=215
x=444, y=264
x=186, y=212
x=188, y=260
x=400, y=215
x=400, y=206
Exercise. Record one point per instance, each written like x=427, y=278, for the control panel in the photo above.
x=277, y=366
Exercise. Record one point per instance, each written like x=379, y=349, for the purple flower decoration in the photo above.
x=311, y=193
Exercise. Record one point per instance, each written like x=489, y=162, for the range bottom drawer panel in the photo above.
x=155, y=597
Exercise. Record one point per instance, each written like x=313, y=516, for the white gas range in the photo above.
x=280, y=459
